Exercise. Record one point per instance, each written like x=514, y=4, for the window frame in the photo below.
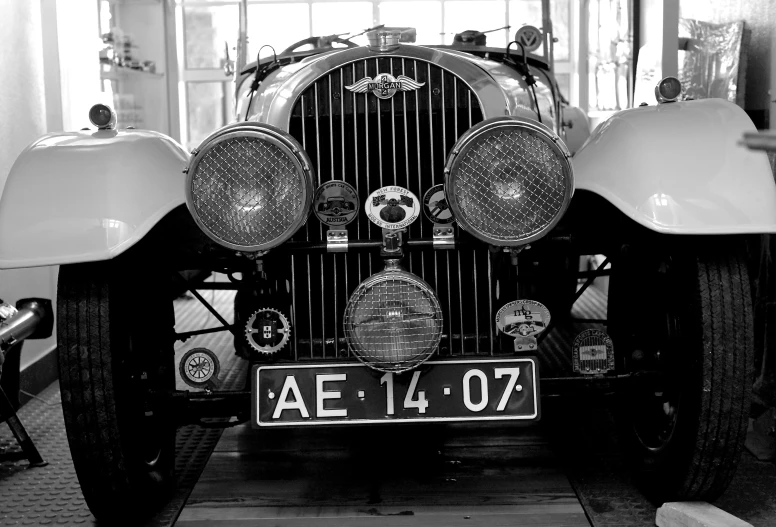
x=572, y=66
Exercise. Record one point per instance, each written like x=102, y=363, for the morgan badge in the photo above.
x=522, y=318
x=392, y=207
x=593, y=352
x=335, y=203
x=385, y=85
x=435, y=205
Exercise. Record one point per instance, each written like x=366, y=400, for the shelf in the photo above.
x=121, y=73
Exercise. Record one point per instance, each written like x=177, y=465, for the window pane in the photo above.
x=560, y=25
x=205, y=30
x=425, y=17
x=479, y=16
x=525, y=12
x=208, y=108
x=564, y=84
x=332, y=18
x=278, y=25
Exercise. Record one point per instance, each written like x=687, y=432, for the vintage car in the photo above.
x=399, y=316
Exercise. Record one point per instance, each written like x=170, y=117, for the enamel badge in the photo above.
x=335, y=203
x=267, y=330
x=392, y=207
x=385, y=85
x=199, y=368
x=435, y=205
x=522, y=318
x=592, y=352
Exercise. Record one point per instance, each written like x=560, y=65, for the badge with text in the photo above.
x=385, y=85
x=592, y=352
x=336, y=203
x=435, y=205
x=522, y=318
x=392, y=207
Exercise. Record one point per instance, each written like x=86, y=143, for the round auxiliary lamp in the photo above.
x=393, y=321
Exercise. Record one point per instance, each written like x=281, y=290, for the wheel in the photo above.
x=681, y=320
x=114, y=334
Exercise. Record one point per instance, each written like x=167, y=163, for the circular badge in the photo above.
x=593, y=352
x=335, y=203
x=435, y=205
x=530, y=37
x=392, y=207
x=522, y=318
x=267, y=330
x=199, y=366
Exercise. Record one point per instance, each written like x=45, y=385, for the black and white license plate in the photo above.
x=451, y=390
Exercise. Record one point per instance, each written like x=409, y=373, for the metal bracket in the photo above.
x=337, y=240
x=444, y=236
x=523, y=344
x=392, y=243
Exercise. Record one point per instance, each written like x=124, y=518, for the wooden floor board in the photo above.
x=373, y=476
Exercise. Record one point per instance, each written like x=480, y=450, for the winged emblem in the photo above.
x=384, y=85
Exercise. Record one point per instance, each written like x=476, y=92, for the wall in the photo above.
x=23, y=107
x=760, y=17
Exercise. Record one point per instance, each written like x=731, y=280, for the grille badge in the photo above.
x=392, y=207
x=385, y=85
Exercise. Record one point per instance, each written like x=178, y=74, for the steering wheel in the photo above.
x=319, y=43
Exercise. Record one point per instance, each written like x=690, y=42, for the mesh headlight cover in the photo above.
x=393, y=321
x=509, y=181
x=249, y=186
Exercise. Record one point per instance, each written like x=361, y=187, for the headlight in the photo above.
x=508, y=181
x=249, y=186
x=393, y=321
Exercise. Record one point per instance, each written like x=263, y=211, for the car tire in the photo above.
x=114, y=334
x=686, y=316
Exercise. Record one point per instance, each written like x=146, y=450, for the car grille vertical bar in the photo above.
x=369, y=143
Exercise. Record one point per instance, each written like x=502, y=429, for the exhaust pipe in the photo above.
x=34, y=319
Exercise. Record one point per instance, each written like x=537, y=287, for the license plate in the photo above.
x=351, y=393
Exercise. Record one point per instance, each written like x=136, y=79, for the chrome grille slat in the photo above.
x=366, y=123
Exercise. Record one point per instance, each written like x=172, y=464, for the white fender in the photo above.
x=679, y=168
x=87, y=196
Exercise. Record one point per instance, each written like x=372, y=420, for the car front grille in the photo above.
x=371, y=143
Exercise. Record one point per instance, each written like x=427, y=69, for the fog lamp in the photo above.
x=393, y=321
x=102, y=116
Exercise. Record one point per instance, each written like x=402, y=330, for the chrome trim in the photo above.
x=552, y=140
x=265, y=132
x=275, y=104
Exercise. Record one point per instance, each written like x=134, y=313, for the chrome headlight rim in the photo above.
x=415, y=360
x=283, y=141
x=487, y=126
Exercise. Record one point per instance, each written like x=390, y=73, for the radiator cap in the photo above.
x=389, y=38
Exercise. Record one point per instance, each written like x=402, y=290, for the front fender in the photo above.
x=678, y=168
x=87, y=196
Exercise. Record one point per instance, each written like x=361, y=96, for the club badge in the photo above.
x=530, y=37
x=267, y=330
x=385, y=85
x=592, y=352
x=392, y=207
x=522, y=318
x=336, y=203
x=199, y=368
x=435, y=206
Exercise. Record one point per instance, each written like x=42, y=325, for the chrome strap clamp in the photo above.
x=523, y=344
x=392, y=243
x=444, y=236
x=337, y=240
